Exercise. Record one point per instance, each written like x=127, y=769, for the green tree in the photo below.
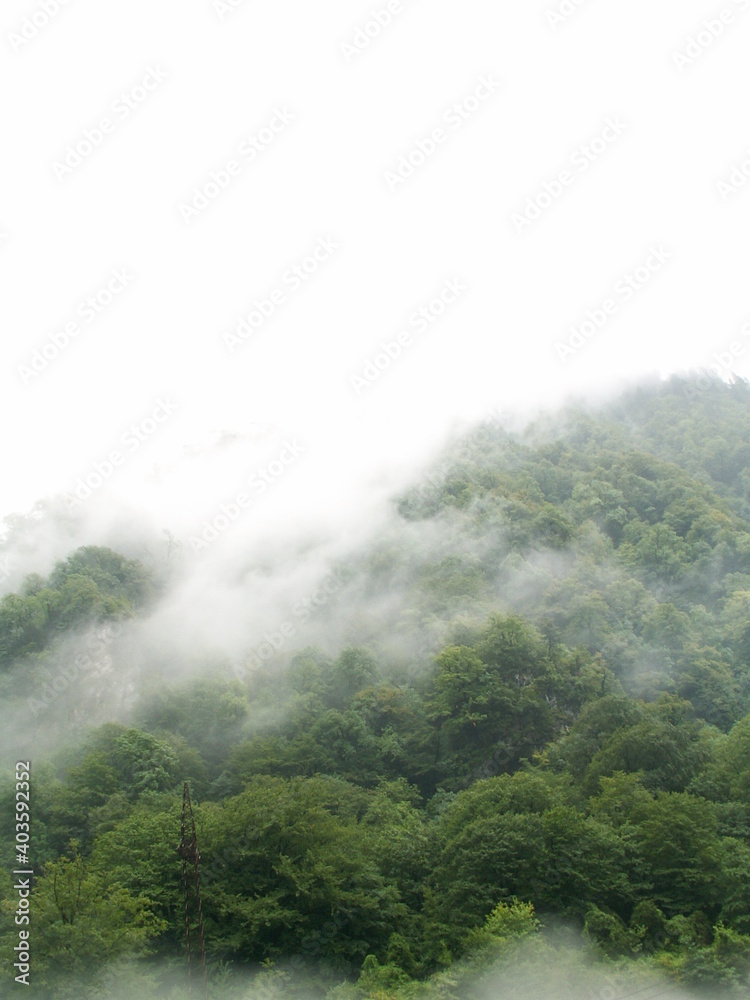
x=82, y=923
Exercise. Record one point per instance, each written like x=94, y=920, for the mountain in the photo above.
x=511, y=724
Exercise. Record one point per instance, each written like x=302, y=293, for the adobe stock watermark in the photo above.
x=562, y=12
x=300, y=614
x=121, y=108
x=367, y=31
x=6, y=568
x=32, y=25
x=711, y=29
x=454, y=118
x=88, y=310
x=720, y=365
x=472, y=446
x=260, y=480
x=739, y=174
x=223, y=8
x=583, y=158
x=419, y=321
x=87, y=663
x=248, y=150
x=293, y=278
x=129, y=442
x=624, y=291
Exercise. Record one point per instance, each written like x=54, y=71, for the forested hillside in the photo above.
x=528, y=760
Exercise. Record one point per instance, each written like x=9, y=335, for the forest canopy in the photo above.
x=550, y=728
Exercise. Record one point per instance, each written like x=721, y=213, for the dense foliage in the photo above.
x=93, y=584
x=396, y=820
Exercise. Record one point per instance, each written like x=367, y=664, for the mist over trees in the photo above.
x=515, y=736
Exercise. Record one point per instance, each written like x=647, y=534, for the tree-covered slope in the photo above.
x=532, y=753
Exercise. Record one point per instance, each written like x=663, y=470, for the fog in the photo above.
x=267, y=268
x=241, y=588
x=554, y=968
x=318, y=556
x=257, y=556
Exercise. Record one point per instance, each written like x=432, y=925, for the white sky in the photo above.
x=323, y=176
